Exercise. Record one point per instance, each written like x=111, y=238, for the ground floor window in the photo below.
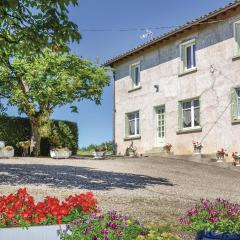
x=189, y=114
x=132, y=124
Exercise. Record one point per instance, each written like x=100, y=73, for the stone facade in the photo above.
x=216, y=73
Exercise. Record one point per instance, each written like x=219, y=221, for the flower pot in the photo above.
x=220, y=160
x=60, y=154
x=97, y=155
x=208, y=235
x=36, y=233
x=7, y=153
x=197, y=151
x=2, y=144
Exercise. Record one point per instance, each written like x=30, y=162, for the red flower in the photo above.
x=23, y=205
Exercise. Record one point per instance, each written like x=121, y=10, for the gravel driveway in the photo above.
x=150, y=189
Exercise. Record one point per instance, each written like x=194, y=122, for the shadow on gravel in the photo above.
x=74, y=177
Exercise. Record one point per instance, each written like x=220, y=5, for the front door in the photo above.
x=161, y=128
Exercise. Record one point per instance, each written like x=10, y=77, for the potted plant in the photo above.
x=131, y=150
x=23, y=218
x=221, y=154
x=197, y=147
x=60, y=152
x=236, y=159
x=99, y=152
x=104, y=226
x=167, y=148
x=24, y=145
x=218, y=219
x=7, y=152
x=2, y=144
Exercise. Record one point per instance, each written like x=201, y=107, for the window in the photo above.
x=237, y=37
x=188, y=55
x=132, y=124
x=235, y=104
x=189, y=114
x=135, y=74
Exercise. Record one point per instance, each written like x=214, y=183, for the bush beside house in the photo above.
x=15, y=129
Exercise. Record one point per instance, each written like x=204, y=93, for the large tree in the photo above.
x=38, y=84
x=37, y=72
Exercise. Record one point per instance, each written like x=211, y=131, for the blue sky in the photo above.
x=95, y=122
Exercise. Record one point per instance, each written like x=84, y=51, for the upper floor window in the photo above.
x=188, y=55
x=135, y=74
x=235, y=103
x=237, y=37
x=189, y=114
x=132, y=124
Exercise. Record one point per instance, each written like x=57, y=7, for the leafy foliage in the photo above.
x=20, y=209
x=97, y=226
x=92, y=147
x=159, y=232
x=219, y=215
x=27, y=26
x=15, y=129
x=38, y=85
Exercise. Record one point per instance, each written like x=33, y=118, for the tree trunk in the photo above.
x=36, y=138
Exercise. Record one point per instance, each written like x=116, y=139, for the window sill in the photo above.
x=235, y=58
x=236, y=121
x=135, y=89
x=190, y=130
x=192, y=70
x=132, y=138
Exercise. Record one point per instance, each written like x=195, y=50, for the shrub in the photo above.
x=108, y=226
x=159, y=232
x=15, y=129
x=20, y=209
x=107, y=146
x=219, y=215
x=7, y=148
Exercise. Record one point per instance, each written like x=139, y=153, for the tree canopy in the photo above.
x=31, y=25
x=34, y=84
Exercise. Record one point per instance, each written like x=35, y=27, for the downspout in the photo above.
x=114, y=113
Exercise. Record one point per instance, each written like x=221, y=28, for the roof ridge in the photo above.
x=188, y=24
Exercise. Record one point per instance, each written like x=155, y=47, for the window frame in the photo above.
x=237, y=44
x=132, y=74
x=192, y=109
x=184, y=57
x=136, y=124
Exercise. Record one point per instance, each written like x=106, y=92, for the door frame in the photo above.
x=156, y=136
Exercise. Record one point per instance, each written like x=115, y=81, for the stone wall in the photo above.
x=160, y=66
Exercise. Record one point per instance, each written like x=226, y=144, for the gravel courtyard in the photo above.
x=150, y=189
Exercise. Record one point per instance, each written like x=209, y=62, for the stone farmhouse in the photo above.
x=181, y=87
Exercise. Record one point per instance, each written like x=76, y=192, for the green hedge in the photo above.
x=16, y=129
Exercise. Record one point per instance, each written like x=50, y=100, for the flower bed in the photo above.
x=20, y=209
x=108, y=226
x=213, y=218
